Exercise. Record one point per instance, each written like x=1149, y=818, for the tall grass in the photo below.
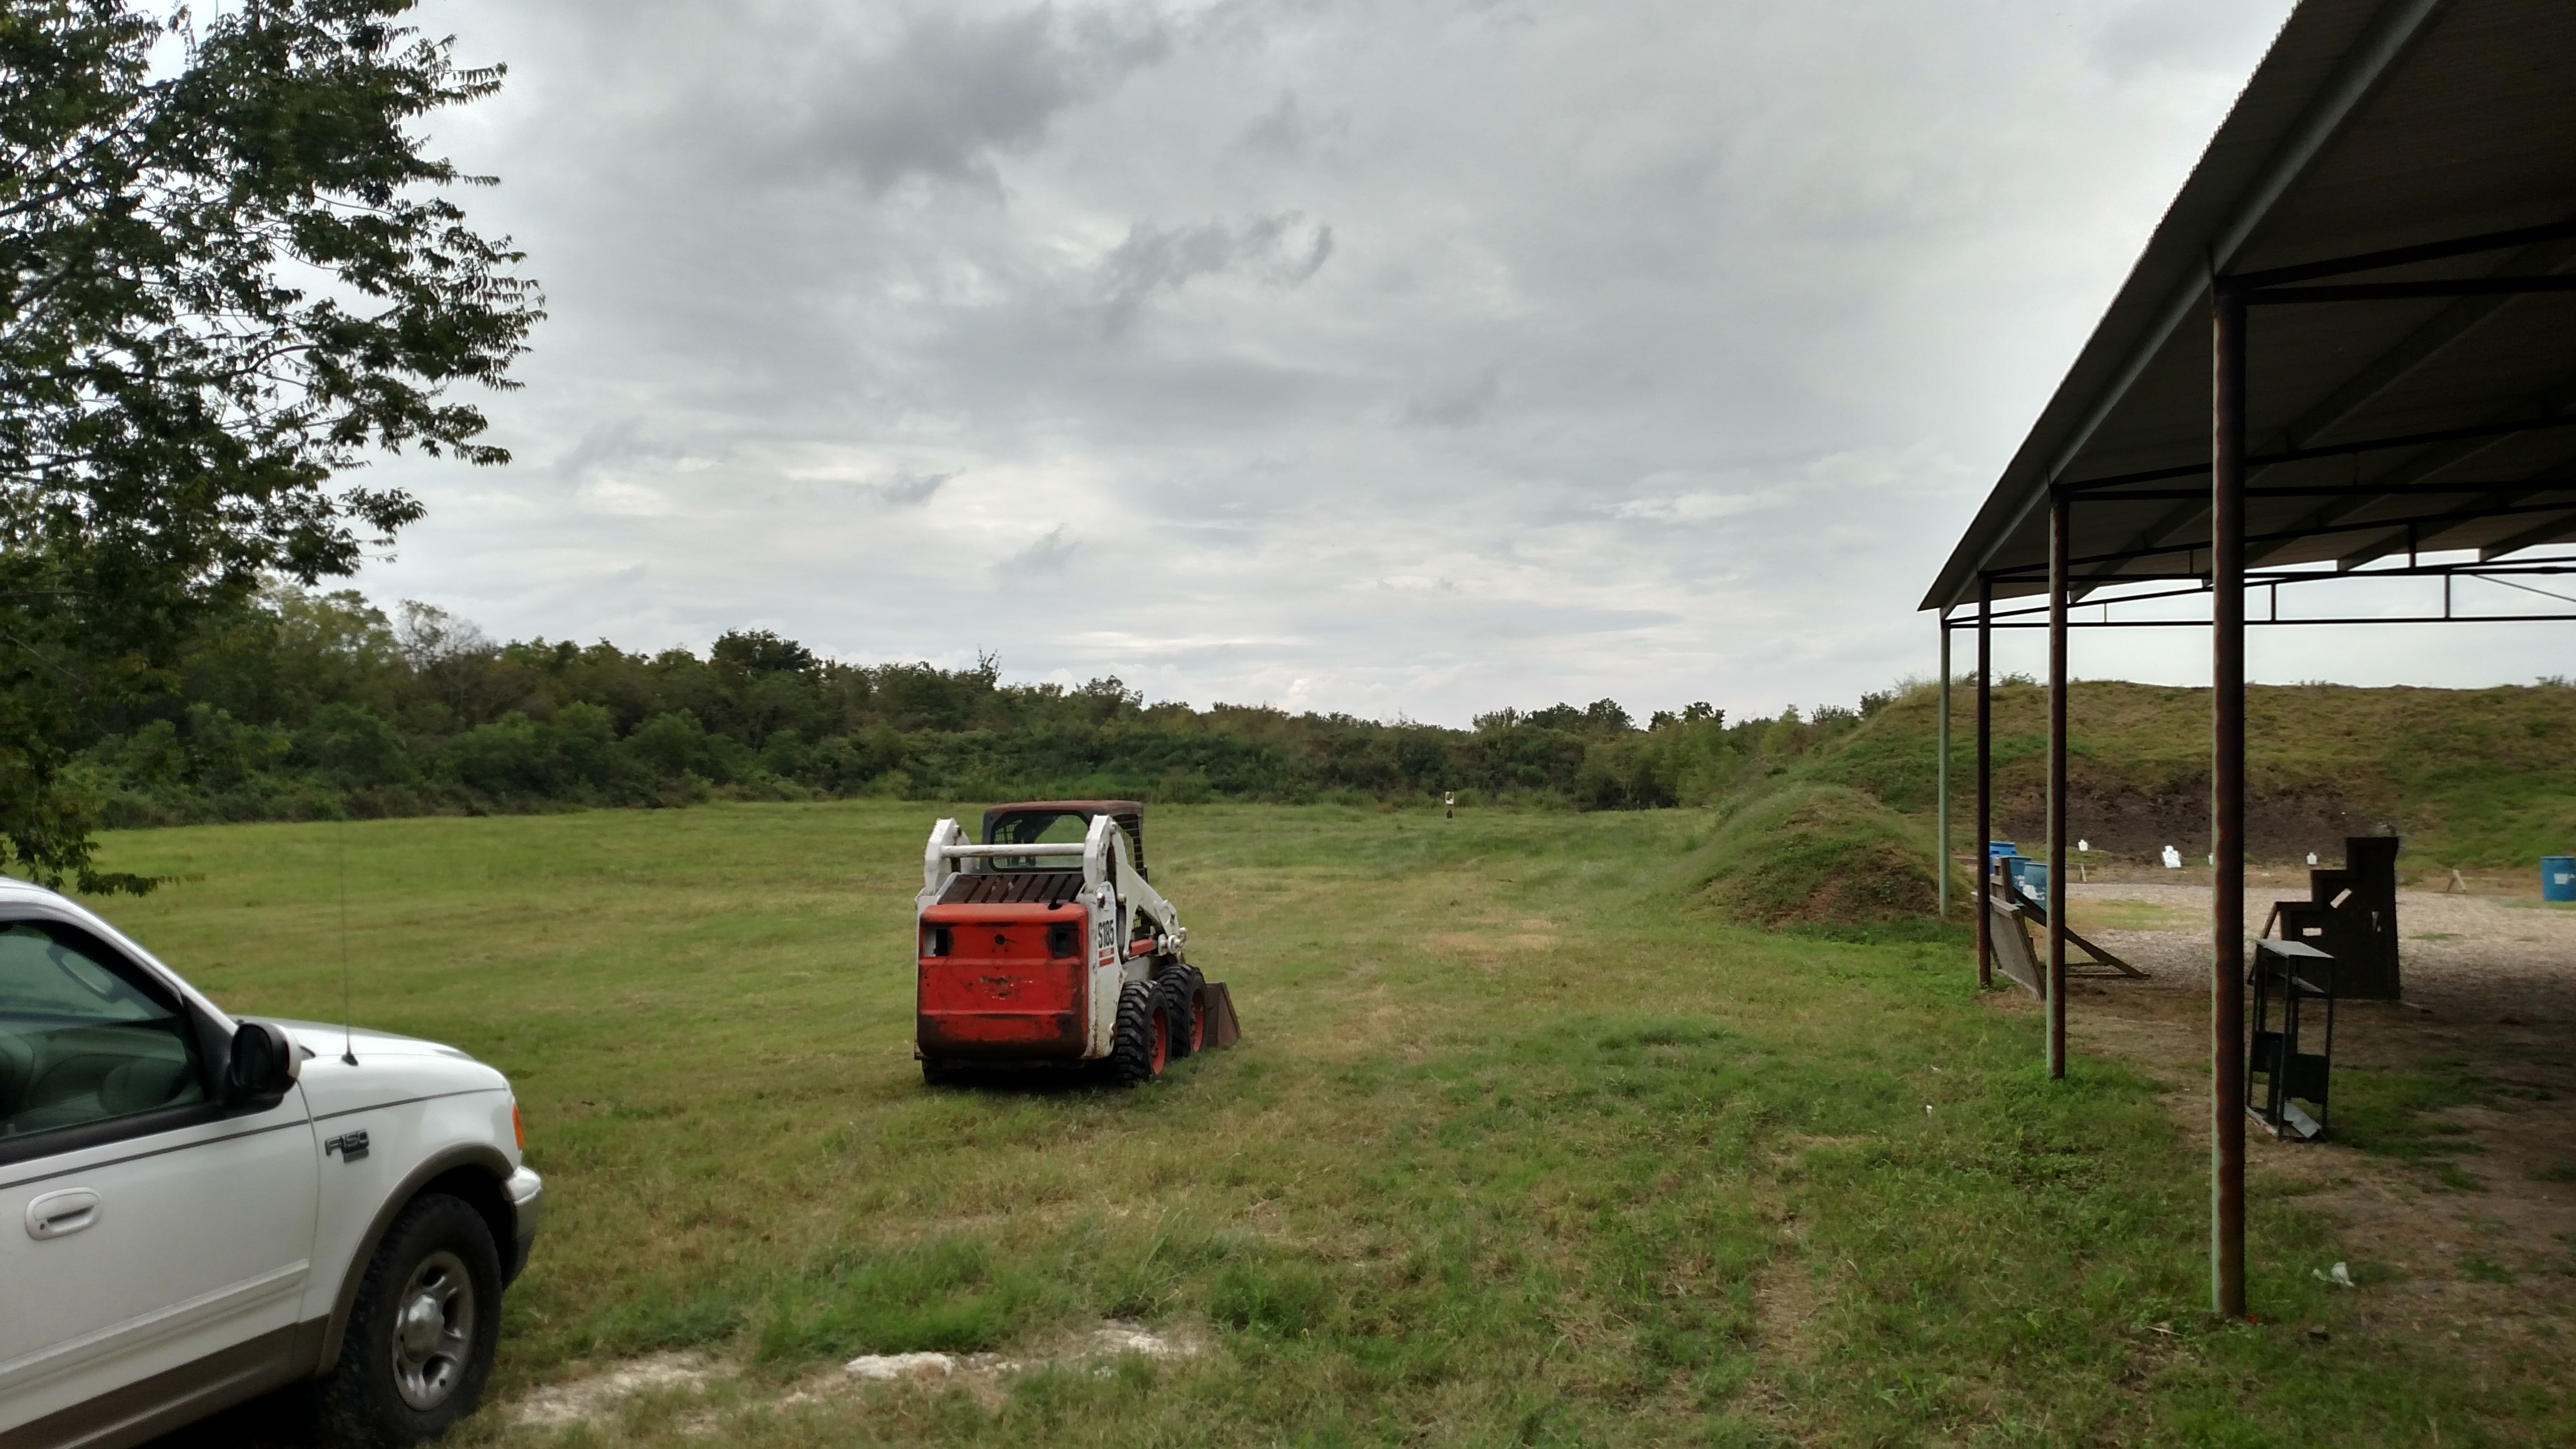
x=1517, y=1149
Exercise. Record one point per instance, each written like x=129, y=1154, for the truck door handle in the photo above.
x=60, y=1214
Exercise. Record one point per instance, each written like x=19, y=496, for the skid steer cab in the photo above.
x=1044, y=948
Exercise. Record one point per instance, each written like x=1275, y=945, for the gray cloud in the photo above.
x=906, y=490
x=1281, y=250
x=1436, y=357
x=1286, y=133
x=1459, y=405
x=956, y=86
x=607, y=445
x=1053, y=549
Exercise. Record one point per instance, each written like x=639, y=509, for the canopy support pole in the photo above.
x=1942, y=828
x=1985, y=780
x=2227, y=802
x=2061, y=508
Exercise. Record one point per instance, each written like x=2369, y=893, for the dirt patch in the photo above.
x=1492, y=944
x=597, y=1397
x=1784, y=1307
x=1782, y=1303
x=2125, y=821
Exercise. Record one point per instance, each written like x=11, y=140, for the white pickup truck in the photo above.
x=195, y=1210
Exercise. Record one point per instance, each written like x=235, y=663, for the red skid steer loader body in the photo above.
x=1005, y=981
x=1045, y=945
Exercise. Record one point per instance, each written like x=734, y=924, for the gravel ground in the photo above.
x=2506, y=959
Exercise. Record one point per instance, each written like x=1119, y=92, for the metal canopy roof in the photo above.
x=2381, y=419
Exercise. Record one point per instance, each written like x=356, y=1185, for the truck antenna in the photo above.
x=348, y=1033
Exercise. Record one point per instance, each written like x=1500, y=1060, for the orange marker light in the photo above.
x=516, y=1129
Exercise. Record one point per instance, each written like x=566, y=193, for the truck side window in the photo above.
x=80, y=1041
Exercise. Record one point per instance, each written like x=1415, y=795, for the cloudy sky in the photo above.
x=1401, y=357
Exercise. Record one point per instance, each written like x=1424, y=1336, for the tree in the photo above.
x=228, y=274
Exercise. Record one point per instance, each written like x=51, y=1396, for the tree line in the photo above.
x=300, y=704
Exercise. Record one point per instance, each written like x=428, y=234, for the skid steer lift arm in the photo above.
x=1105, y=863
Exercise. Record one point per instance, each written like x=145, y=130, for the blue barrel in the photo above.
x=2558, y=877
x=1998, y=849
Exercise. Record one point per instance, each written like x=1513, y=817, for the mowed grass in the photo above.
x=1521, y=1147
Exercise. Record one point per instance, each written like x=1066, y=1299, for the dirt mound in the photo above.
x=1819, y=854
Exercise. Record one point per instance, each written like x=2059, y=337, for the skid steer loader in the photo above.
x=1044, y=947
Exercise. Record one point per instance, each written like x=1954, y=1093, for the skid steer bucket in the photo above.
x=1216, y=1009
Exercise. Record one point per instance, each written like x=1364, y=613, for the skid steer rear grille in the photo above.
x=1012, y=888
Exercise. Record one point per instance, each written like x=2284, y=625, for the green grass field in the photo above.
x=1521, y=1146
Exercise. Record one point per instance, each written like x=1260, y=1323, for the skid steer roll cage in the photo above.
x=1109, y=876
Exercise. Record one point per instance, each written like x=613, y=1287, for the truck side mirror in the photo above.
x=263, y=1064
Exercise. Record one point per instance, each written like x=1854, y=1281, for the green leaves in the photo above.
x=227, y=273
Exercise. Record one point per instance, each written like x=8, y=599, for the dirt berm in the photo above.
x=1818, y=854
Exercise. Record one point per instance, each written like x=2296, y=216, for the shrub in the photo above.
x=674, y=744
x=352, y=748
x=513, y=755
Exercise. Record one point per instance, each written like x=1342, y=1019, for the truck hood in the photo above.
x=391, y=1069
x=325, y=1040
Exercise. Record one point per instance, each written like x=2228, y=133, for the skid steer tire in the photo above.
x=1189, y=1026
x=1142, y=1040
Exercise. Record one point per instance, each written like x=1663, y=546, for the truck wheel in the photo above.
x=1189, y=1026
x=1142, y=1041
x=422, y=1332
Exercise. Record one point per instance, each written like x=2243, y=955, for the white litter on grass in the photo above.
x=885, y=1367
x=597, y=1398
x=1116, y=1338
x=1107, y=1341
x=2338, y=1275
x=599, y=1395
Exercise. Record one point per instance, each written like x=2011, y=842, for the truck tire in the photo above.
x=421, y=1333
x=1189, y=1026
x=1142, y=1041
